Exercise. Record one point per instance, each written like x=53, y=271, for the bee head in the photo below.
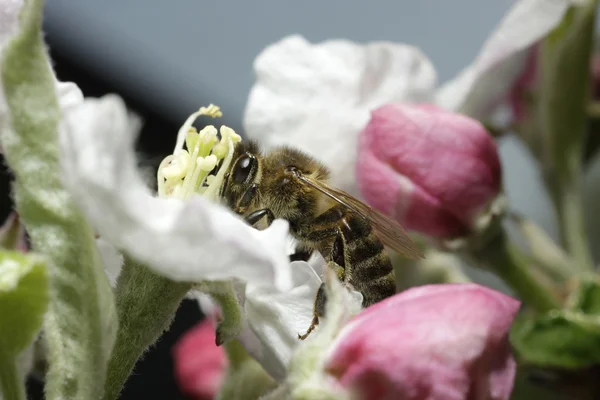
x=244, y=172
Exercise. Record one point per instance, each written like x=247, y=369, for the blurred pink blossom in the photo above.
x=200, y=365
x=431, y=169
x=436, y=342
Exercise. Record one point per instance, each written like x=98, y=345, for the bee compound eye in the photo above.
x=243, y=167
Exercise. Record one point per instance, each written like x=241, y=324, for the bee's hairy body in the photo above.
x=264, y=187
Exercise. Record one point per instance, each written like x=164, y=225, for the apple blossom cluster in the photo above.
x=108, y=260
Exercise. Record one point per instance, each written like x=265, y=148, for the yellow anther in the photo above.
x=207, y=163
x=211, y=111
x=208, y=134
x=178, y=166
x=227, y=132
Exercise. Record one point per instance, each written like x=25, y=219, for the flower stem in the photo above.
x=11, y=385
x=224, y=295
x=506, y=260
x=569, y=207
x=564, y=95
x=146, y=305
x=245, y=378
x=548, y=258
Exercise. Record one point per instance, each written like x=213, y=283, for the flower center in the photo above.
x=188, y=171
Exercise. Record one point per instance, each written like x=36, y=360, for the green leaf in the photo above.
x=23, y=302
x=559, y=339
x=555, y=384
x=81, y=324
x=586, y=298
x=146, y=304
x=23, y=299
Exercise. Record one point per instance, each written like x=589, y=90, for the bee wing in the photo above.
x=391, y=233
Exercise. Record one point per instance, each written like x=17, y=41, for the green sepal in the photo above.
x=146, y=306
x=586, y=298
x=564, y=87
x=559, y=339
x=245, y=378
x=23, y=299
x=23, y=303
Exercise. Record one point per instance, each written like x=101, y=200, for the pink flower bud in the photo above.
x=436, y=342
x=431, y=169
x=200, y=365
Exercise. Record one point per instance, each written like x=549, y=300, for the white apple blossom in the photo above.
x=318, y=97
x=480, y=87
x=183, y=235
x=274, y=319
x=188, y=240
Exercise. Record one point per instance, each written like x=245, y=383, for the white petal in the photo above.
x=69, y=95
x=9, y=19
x=276, y=319
x=317, y=263
x=9, y=24
x=187, y=241
x=317, y=97
x=206, y=304
x=479, y=88
x=112, y=260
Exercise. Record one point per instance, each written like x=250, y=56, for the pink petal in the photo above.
x=395, y=195
x=199, y=364
x=432, y=342
x=446, y=165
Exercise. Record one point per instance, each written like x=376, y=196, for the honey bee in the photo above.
x=289, y=184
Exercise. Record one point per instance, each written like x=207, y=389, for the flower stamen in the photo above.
x=184, y=172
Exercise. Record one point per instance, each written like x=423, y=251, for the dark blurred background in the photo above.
x=166, y=58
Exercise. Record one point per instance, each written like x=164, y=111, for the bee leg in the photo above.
x=255, y=216
x=301, y=254
x=321, y=300
x=318, y=310
x=247, y=197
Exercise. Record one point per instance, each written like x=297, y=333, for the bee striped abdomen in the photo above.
x=367, y=266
